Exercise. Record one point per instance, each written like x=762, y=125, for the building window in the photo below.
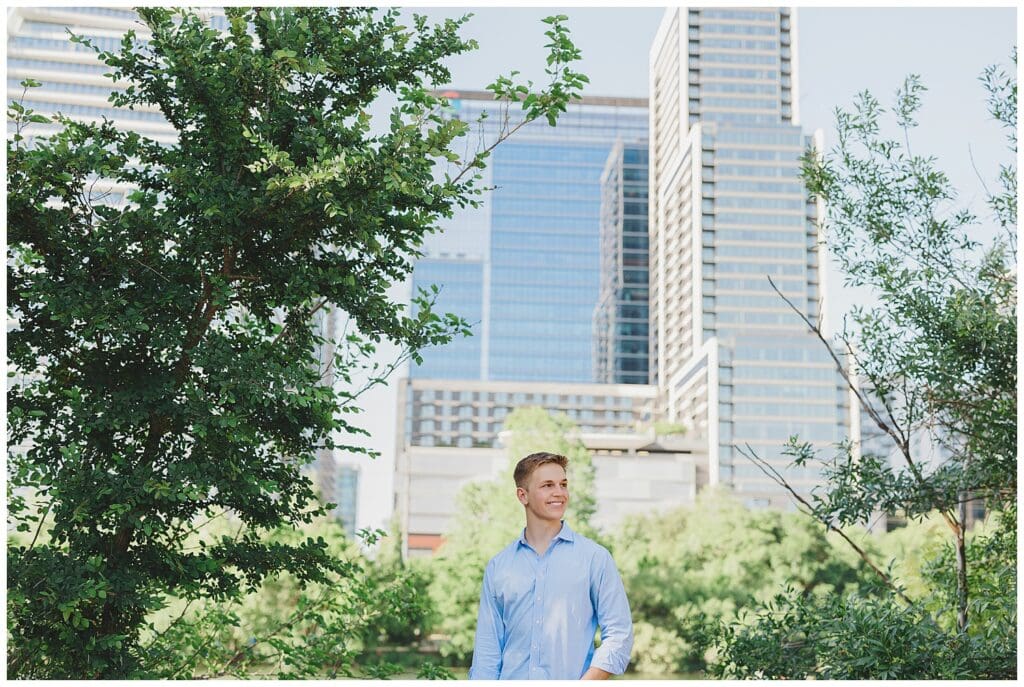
x=346, y=495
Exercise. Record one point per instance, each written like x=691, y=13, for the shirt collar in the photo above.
x=565, y=533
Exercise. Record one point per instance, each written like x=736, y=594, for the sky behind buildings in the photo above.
x=841, y=51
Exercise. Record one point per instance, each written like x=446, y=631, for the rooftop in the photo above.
x=453, y=94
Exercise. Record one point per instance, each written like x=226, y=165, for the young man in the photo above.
x=546, y=593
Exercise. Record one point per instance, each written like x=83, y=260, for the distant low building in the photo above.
x=452, y=435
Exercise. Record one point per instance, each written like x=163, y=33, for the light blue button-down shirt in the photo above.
x=538, y=614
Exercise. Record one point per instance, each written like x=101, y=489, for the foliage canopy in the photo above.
x=169, y=363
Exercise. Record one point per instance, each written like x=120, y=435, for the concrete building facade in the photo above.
x=730, y=223
x=463, y=440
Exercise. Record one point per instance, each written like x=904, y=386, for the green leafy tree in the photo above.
x=935, y=358
x=689, y=569
x=868, y=633
x=289, y=629
x=489, y=517
x=165, y=349
x=533, y=430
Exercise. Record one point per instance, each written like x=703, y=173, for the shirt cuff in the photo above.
x=608, y=663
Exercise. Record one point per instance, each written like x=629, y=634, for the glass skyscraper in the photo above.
x=621, y=327
x=728, y=212
x=524, y=269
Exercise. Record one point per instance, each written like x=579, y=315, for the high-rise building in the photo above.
x=729, y=212
x=621, y=322
x=70, y=75
x=524, y=269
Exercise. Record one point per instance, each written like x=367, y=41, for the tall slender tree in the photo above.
x=934, y=363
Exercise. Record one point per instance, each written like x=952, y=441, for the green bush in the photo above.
x=657, y=650
x=689, y=569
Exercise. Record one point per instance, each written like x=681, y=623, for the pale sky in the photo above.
x=840, y=51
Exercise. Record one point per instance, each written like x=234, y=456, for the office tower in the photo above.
x=524, y=269
x=728, y=211
x=621, y=327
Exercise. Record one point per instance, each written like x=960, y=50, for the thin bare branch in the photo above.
x=776, y=477
x=39, y=527
x=868, y=408
x=970, y=154
x=503, y=134
x=308, y=315
x=152, y=270
x=902, y=441
x=174, y=622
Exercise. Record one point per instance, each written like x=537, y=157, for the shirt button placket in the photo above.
x=538, y=613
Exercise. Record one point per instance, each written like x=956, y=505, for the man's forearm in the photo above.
x=595, y=674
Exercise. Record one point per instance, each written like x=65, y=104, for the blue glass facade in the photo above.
x=460, y=284
x=621, y=320
x=540, y=279
x=544, y=334
x=346, y=495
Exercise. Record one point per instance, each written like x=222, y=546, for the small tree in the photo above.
x=166, y=345
x=288, y=629
x=935, y=359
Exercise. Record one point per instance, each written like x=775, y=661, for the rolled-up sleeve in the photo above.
x=490, y=634
x=613, y=617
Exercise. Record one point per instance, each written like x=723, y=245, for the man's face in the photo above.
x=547, y=492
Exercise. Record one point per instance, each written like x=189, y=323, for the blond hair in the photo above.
x=527, y=465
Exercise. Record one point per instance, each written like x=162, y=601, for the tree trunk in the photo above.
x=961, y=565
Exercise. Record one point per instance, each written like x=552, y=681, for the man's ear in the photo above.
x=521, y=495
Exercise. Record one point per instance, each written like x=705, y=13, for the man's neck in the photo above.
x=539, y=533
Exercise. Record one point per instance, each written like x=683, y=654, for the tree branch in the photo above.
x=895, y=434
x=280, y=335
x=904, y=444
x=39, y=527
x=776, y=477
